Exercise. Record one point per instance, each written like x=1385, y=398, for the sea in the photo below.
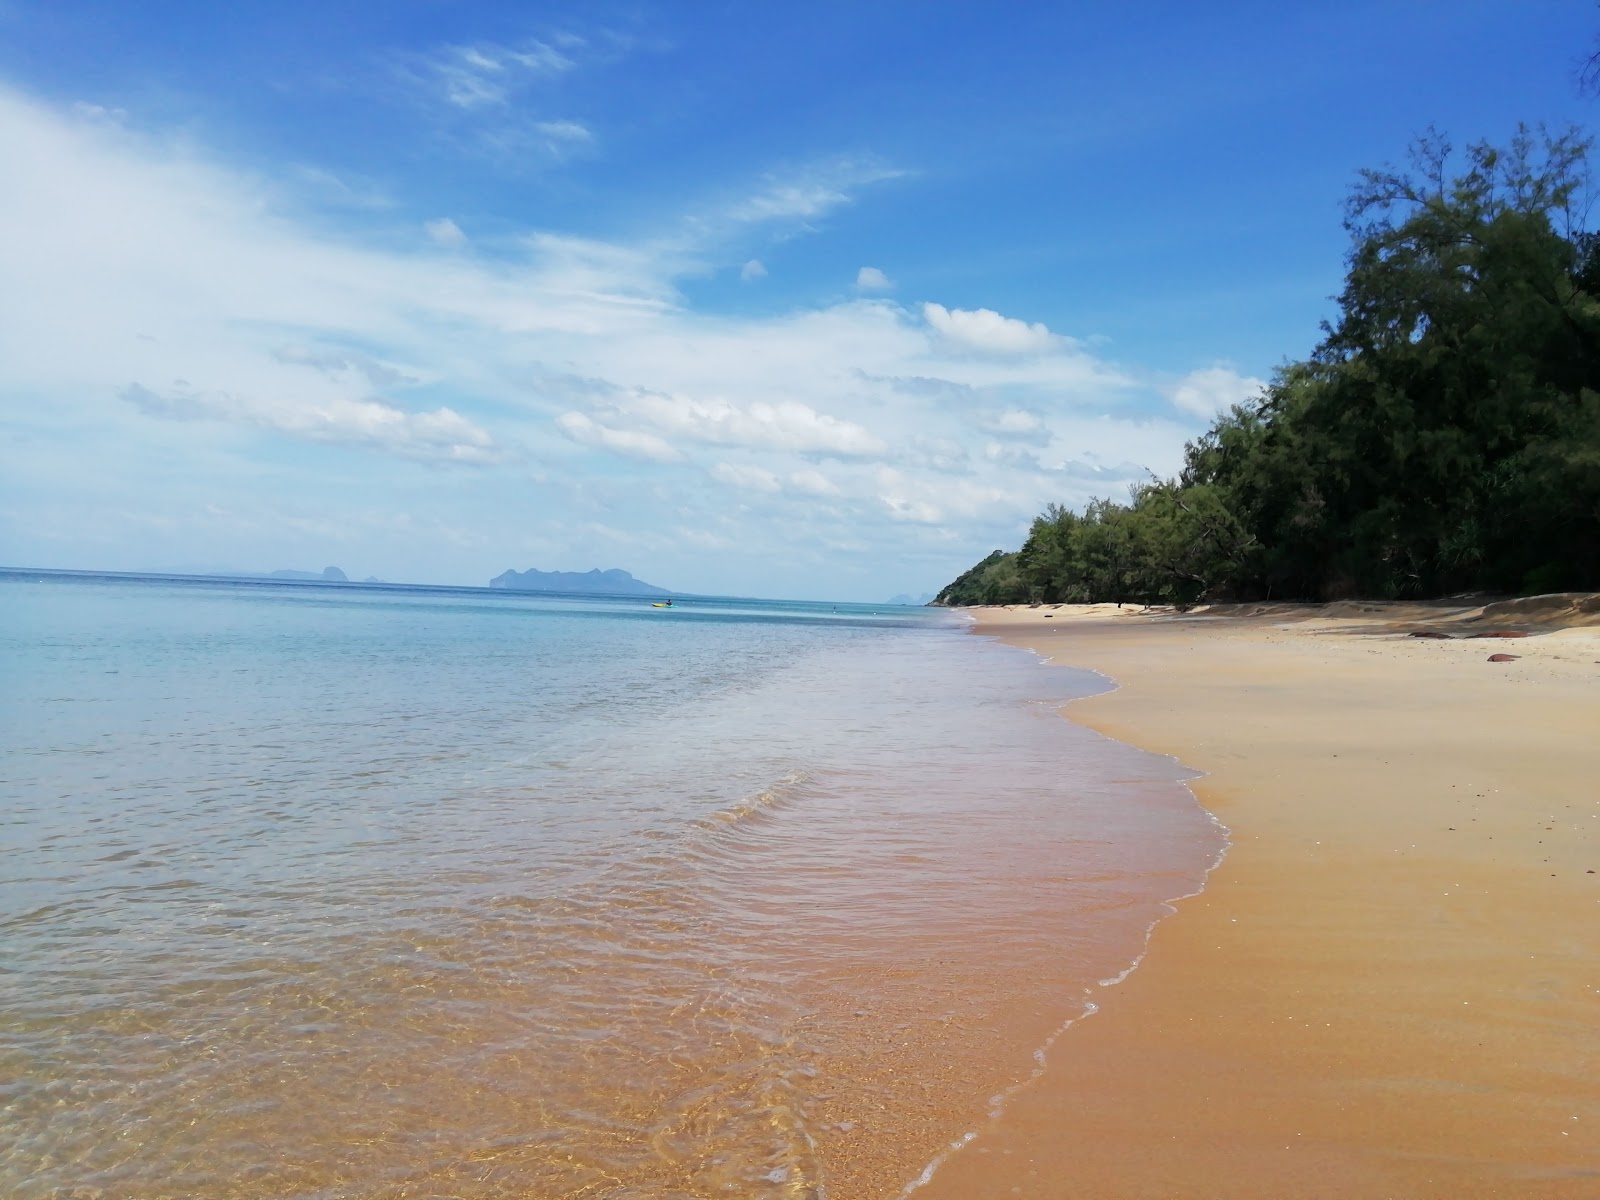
x=320, y=891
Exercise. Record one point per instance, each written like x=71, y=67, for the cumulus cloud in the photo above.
x=446, y=232
x=986, y=330
x=870, y=279
x=173, y=265
x=1213, y=390
x=438, y=435
x=789, y=425
x=630, y=443
x=753, y=270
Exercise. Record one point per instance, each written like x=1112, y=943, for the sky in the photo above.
x=822, y=300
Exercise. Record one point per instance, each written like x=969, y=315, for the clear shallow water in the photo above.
x=332, y=892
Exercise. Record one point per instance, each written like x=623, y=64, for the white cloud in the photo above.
x=702, y=539
x=753, y=270
x=1213, y=390
x=870, y=279
x=99, y=112
x=1017, y=423
x=338, y=189
x=812, y=482
x=439, y=435
x=446, y=232
x=564, y=131
x=921, y=511
x=925, y=501
x=789, y=200
x=755, y=479
x=986, y=330
x=172, y=266
x=808, y=193
x=490, y=100
x=788, y=425
x=630, y=443
x=485, y=75
x=1010, y=454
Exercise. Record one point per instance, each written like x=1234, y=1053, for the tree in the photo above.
x=1464, y=335
x=1443, y=435
x=1589, y=72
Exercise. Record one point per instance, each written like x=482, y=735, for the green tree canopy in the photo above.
x=1443, y=435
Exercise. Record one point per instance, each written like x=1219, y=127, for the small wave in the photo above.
x=757, y=803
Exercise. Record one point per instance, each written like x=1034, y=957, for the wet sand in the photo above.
x=1391, y=986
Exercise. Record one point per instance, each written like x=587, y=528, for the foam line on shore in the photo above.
x=1390, y=991
x=1169, y=907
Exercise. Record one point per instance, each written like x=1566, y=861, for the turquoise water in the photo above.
x=346, y=891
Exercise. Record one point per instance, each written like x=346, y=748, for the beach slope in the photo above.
x=1391, y=986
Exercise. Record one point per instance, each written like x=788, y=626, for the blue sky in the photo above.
x=821, y=300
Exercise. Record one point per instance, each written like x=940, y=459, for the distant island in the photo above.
x=326, y=575
x=906, y=598
x=612, y=582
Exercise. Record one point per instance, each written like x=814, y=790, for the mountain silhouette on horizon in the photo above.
x=611, y=582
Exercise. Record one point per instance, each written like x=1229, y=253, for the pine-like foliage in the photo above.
x=1443, y=436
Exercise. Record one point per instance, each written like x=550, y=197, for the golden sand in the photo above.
x=1391, y=986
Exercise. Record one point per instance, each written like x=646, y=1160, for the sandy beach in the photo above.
x=1391, y=985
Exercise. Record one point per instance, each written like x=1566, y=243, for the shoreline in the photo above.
x=1389, y=985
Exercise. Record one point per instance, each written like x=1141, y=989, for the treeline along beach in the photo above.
x=1444, y=435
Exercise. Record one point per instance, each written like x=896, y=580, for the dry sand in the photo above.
x=1391, y=986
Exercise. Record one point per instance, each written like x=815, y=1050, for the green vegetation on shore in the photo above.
x=1443, y=436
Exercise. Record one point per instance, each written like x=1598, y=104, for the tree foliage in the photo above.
x=1444, y=435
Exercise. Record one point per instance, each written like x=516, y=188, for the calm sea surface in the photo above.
x=326, y=892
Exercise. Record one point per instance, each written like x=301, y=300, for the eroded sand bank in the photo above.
x=1391, y=987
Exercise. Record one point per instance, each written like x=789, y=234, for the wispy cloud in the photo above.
x=446, y=232
x=338, y=189
x=552, y=361
x=564, y=131
x=440, y=435
x=502, y=101
x=630, y=443
x=484, y=74
x=809, y=192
